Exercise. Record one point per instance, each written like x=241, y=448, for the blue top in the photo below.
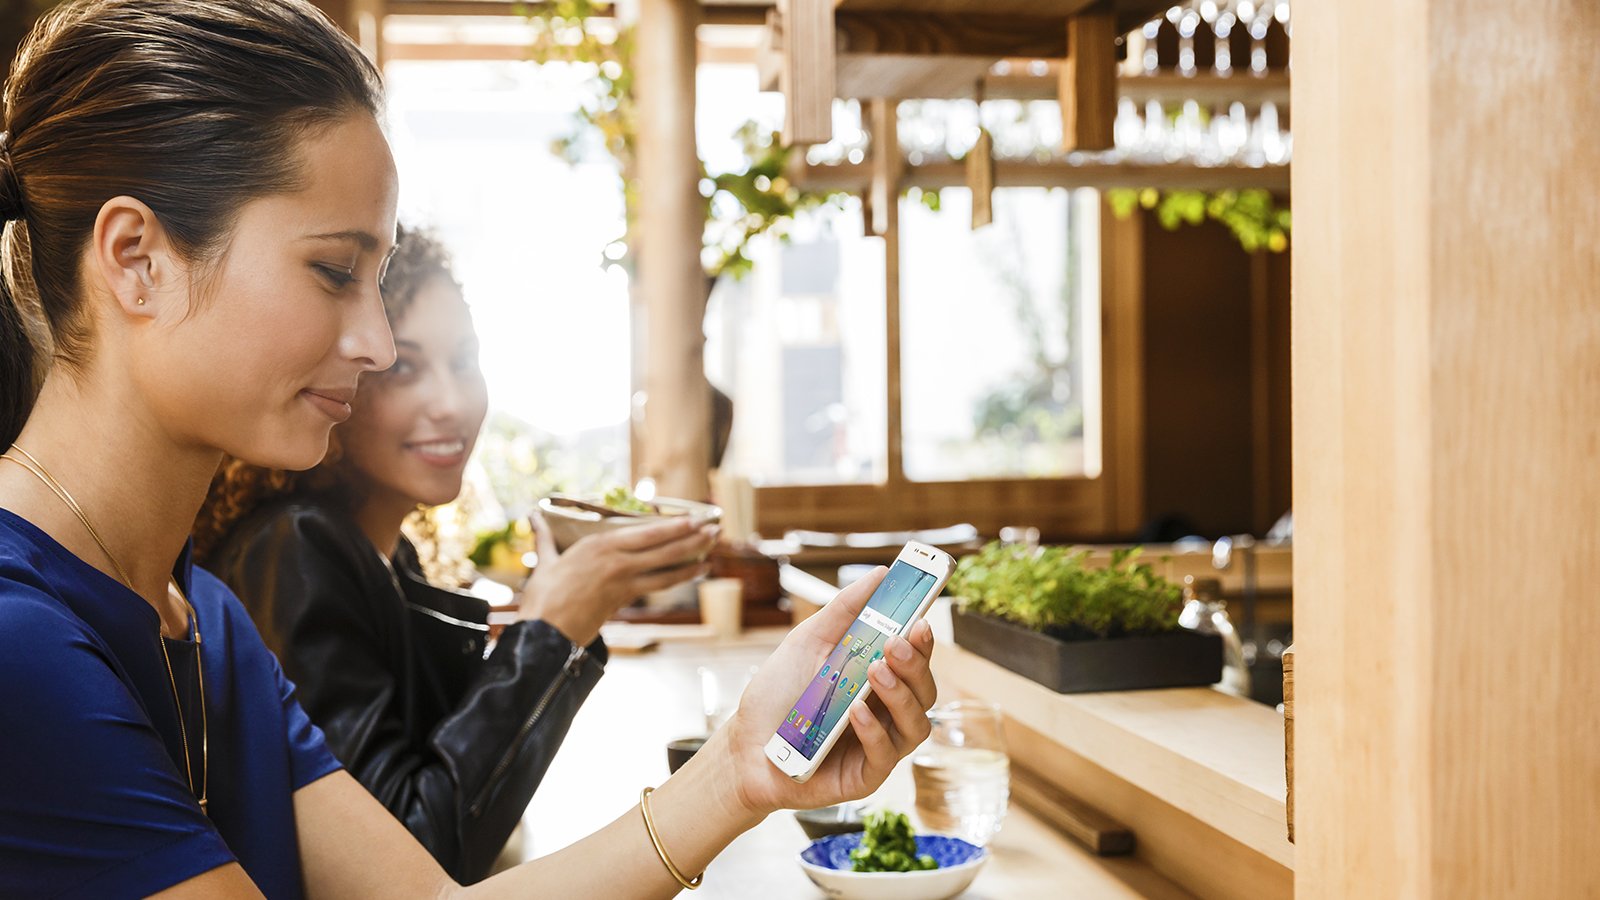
x=94, y=800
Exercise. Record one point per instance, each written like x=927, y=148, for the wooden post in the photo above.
x=883, y=212
x=362, y=20
x=1122, y=366
x=1446, y=449
x=671, y=220
x=980, y=179
x=1262, y=511
x=807, y=76
x=1089, y=81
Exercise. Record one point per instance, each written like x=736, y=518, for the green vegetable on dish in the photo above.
x=889, y=846
x=621, y=499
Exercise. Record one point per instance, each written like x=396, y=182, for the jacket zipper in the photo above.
x=569, y=669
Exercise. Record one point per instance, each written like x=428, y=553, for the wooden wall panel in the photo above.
x=1447, y=435
x=1197, y=377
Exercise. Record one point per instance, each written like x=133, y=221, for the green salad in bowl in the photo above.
x=889, y=845
x=572, y=517
x=888, y=861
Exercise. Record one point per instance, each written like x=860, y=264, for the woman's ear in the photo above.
x=132, y=258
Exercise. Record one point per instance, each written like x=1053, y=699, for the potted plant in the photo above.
x=1048, y=616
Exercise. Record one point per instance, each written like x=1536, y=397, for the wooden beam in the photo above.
x=472, y=8
x=1446, y=432
x=932, y=176
x=943, y=78
x=478, y=52
x=808, y=71
x=919, y=34
x=1088, y=91
x=749, y=14
x=671, y=219
x=863, y=76
x=1058, y=9
x=1130, y=14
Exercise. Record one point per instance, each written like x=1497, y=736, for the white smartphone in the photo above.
x=818, y=718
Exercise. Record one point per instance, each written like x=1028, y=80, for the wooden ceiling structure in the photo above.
x=816, y=51
x=822, y=49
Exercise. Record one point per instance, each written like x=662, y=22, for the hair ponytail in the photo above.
x=18, y=385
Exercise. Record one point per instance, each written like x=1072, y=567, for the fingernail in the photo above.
x=886, y=676
x=900, y=649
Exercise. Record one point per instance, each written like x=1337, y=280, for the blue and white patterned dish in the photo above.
x=827, y=863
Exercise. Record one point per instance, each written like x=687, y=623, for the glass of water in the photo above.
x=721, y=686
x=962, y=772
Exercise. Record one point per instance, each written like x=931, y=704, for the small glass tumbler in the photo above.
x=721, y=686
x=962, y=773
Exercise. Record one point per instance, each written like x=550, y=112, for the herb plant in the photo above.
x=621, y=499
x=1050, y=589
x=889, y=846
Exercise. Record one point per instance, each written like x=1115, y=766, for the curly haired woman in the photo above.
x=389, y=665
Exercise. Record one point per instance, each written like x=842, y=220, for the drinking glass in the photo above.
x=962, y=773
x=721, y=686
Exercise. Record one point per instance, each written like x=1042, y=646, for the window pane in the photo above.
x=799, y=345
x=526, y=231
x=1000, y=356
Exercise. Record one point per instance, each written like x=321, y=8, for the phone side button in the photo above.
x=783, y=754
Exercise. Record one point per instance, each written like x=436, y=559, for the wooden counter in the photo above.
x=1207, y=760
x=617, y=745
x=1212, y=755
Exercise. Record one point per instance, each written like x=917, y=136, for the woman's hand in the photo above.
x=884, y=730
x=578, y=590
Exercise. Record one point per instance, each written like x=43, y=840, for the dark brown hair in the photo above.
x=194, y=107
x=240, y=488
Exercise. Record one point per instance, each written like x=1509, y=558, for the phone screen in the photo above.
x=828, y=696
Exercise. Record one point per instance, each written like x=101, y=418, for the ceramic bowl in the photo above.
x=681, y=751
x=841, y=819
x=827, y=863
x=569, y=524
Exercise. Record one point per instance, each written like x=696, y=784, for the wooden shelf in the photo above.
x=1245, y=88
x=1130, y=13
x=1211, y=755
x=856, y=178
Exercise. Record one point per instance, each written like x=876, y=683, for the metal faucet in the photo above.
x=1222, y=553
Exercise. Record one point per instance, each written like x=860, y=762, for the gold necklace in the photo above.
x=39, y=471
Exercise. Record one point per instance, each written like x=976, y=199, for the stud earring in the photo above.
x=141, y=301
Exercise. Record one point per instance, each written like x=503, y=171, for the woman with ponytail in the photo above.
x=199, y=205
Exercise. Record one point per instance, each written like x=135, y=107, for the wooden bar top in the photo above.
x=617, y=745
x=1212, y=755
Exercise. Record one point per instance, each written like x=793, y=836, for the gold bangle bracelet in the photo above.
x=655, y=839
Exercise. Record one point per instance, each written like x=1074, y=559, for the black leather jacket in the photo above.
x=393, y=670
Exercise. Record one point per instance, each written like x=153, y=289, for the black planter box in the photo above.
x=1179, y=658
